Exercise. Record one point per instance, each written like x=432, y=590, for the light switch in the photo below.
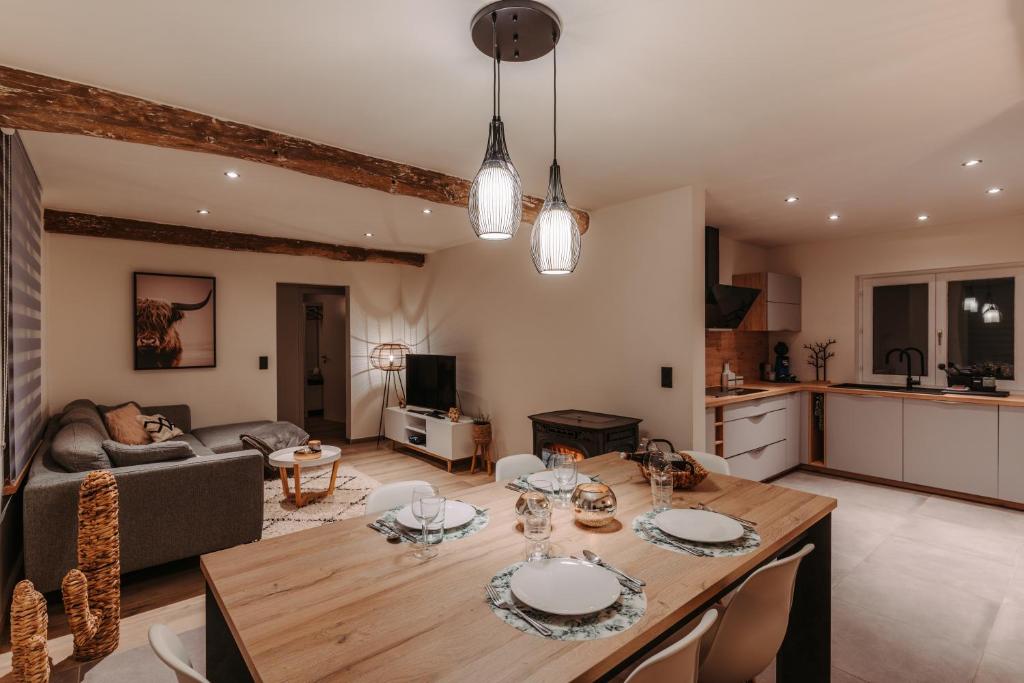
x=666, y=377
x=264, y=362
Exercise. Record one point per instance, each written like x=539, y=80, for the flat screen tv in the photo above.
x=430, y=381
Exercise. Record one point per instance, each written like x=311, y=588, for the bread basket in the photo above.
x=686, y=471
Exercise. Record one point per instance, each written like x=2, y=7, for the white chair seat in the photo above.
x=678, y=662
x=710, y=461
x=512, y=466
x=391, y=495
x=168, y=647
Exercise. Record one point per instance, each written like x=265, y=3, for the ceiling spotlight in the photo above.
x=369, y=234
x=994, y=190
x=792, y=198
x=427, y=211
x=833, y=216
x=231, y=174
x=923, y=217
x=971, y=162
x=202, y=212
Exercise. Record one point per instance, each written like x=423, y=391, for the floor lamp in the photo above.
x=390, y=359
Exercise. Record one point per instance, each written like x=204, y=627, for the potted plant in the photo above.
x=482, y=429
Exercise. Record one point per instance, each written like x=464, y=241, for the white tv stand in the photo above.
x=446, y=440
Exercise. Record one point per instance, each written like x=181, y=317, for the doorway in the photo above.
x=312, y=352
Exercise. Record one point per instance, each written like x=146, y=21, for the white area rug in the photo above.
x=281, y=517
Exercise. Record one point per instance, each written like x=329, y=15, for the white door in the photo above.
x=896, y=313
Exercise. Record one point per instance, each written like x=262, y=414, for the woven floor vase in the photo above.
x=30, y=657
x=92, y=593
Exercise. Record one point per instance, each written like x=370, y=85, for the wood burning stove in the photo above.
x=583, y=433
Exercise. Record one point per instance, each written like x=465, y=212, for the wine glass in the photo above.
x=660, y=471
x=426, y=506
x=565, y=474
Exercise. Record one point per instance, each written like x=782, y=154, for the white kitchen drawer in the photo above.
x=951, y=446
x=760, y=463
x=755, y=431
x=752, y=408
x=783, y=288
x=783, y=317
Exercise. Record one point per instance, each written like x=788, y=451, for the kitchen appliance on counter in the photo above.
x=780, y=371
x=970, y=380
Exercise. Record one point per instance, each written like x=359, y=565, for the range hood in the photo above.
x=725, y=306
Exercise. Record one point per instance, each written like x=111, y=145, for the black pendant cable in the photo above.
x=555, y=242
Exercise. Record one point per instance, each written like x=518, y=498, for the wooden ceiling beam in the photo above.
x=30, y=101
x=88, y=225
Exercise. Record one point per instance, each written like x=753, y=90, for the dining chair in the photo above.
x=710, y=461
x=171, y=652
x=678, y=662
x=512, y=466
x=753, y=624
x=391, y=495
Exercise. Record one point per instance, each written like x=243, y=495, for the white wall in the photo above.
x=736, y=257
x=89, y=338
x=594, y=340
x=829, y=270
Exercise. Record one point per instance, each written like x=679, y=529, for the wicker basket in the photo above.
x=689, y=476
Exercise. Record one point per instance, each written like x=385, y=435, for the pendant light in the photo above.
x=496, y=196
x=555, y=242
x=990, y=313
x=970, y=301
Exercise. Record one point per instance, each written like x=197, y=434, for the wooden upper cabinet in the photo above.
x=777, y=307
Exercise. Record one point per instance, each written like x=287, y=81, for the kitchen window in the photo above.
x=964, y=320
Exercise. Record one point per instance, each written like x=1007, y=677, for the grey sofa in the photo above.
x=168, y=510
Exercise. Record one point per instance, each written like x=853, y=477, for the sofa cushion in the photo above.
x=78, y=447
x=158, y=427
x=226, y=438
x=179, y=413
x=197, y=446
x=123, y=455
x=83, y=410
x=122, y=424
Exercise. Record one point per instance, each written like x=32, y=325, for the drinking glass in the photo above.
x=547, y=490
x=661, y=480
x=537, y=531
x=436, y=535
x=426, y=506
x=565, y=474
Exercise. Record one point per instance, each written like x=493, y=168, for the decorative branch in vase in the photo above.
x=818, y=358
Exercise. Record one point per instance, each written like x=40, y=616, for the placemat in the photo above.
x=478, y=523
x=644, y=527
x=615, y=619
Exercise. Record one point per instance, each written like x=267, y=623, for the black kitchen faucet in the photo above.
x=904, y=355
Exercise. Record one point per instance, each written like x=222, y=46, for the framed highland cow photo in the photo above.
x=175, y=321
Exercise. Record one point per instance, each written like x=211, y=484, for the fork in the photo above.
x=744, y=522
x=395, y=530
x=496, y=600
x=676, y=544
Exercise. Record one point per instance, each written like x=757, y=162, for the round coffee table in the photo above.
x=285, y=458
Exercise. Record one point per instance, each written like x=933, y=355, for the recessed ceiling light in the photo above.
x=369, y=234
x=971, y=162
x=994, y=190
x=792, y=198
x=923, y=217
x=427, y=211
x=231, y=174
x=202, y=212
x=833, y=216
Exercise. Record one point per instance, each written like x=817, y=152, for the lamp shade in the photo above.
x=991, y=314
x=555, y=241
x=971, y=304
x=389, y=357
x=496, y=196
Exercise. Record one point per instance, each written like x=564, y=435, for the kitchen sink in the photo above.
x=715, y=392
x=919, y=390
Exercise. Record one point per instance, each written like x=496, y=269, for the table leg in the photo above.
x=806, y=653
x=224, y=660
x=298, y=485
x=283, y=471
x=334, y=477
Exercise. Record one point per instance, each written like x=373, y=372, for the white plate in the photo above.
x=565, y=586
x=549, y=476
x=699, y=525
x=456, y=514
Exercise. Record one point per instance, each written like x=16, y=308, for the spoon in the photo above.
x=596, y=559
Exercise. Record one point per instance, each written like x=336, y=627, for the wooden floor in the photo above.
x=178, y=587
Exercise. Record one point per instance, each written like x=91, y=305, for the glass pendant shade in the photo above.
x=991, y=314
x=496, y=196
x=555, y=242
x=971, y=304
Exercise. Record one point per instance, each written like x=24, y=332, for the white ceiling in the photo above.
x=864, y=108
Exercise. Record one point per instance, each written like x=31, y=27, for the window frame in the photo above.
x=866, y=331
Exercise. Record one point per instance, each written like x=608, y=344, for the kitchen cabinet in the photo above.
x=951, y=446
x=795, y=436
x=777, y=307
x=1011, y=454
x=756, y=437
x=864, y=435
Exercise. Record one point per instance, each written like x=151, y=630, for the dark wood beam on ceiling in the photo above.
x=30, y=101
x=87, y=225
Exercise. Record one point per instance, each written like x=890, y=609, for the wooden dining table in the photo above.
x=340, y=603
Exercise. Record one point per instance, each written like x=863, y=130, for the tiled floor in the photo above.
x=925, y=588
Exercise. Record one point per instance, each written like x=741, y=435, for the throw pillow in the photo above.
x=158, y=427
x=123, y=455
x=78, y=447
x=83, y=410
x=122, y=425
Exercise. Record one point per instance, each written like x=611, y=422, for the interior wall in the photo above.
x=88, y=319
x=594, y=340
x=735, y=257
x=829, y=270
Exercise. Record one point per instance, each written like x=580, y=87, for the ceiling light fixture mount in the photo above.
x=523, y=29
x=922, y=217
x=202, y=212
x=994, y=190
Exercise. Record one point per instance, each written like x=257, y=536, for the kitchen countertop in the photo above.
x=771, y=389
